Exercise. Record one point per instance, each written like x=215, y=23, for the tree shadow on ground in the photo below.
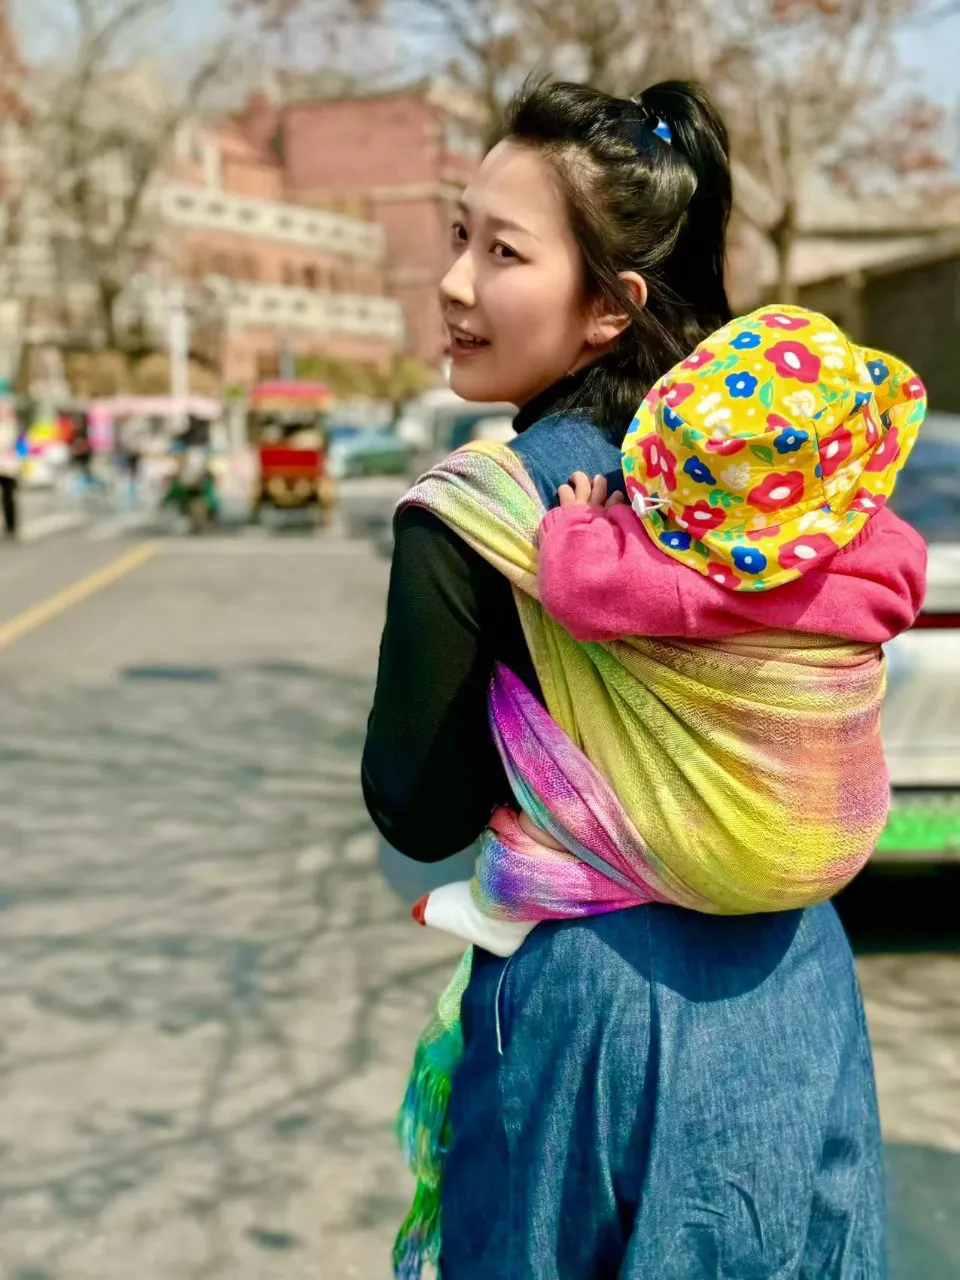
x=208, y=998
x=923, y=1196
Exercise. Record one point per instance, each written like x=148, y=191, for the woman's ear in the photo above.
x=608, y=325
x=637, y=287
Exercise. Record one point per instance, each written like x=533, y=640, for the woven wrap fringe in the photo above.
x=423, y=1127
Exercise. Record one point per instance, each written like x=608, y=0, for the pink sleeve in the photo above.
x=601, y=577
x=870, y=591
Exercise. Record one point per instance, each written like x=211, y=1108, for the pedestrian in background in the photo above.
x=131, y=438
x=654, y=1091
x=10, y=466
x=81, y=449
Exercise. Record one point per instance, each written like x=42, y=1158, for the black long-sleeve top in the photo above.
x=431, y=773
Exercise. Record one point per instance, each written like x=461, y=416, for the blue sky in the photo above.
x=934, y=51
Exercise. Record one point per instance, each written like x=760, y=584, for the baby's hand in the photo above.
x=580, y=492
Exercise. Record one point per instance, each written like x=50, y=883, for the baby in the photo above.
x=757, y=495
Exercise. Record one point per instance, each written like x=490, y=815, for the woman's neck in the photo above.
x=548, y=401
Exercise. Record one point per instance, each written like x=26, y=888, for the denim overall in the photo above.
x=656, y=1094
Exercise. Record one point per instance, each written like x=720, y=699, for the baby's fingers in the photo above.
x=579, y=486
x=598, y=494
x=616, y=500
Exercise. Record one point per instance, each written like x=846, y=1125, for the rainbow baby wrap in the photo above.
x=731, y=776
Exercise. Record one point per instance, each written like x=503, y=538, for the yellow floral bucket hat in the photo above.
x=770, y=447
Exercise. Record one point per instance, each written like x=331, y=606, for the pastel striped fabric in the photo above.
x=735, y=776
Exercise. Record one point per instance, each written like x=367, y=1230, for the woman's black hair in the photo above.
x=637, y=202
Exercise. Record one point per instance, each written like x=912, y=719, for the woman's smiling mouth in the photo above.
x=463, y=343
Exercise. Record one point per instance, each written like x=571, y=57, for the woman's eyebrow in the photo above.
x=496, y=221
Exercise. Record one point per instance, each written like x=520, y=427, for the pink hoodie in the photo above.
x=602, y=577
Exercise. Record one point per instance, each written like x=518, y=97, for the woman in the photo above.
x=653, y=1092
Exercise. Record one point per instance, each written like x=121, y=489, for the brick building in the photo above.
x=222, y=233
x=270, y=272
x=400, y=159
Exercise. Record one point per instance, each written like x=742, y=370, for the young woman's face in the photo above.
x=513, y=298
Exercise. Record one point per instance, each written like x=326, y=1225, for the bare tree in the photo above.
x=15, y=203
x=276, y=15
x=618, y=45
x=320, y=45
x=808, y=87
x=107, y=129
x=490, y=46
x=89, y=133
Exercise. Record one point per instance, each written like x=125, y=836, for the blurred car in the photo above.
x=479, y=424
x=439, y=422
x=367, y=451
x=433, y=420
x=921, y=722
x=497, y=429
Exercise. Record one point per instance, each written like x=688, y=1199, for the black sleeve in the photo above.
x=431, y=773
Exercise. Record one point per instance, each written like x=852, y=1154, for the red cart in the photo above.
x=286, y=425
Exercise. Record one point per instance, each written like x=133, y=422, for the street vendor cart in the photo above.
x=285, y=425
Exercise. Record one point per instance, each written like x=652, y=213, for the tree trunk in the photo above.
x=108, y=293
x=783, y=235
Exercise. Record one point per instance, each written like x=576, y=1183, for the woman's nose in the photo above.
x=457, y=286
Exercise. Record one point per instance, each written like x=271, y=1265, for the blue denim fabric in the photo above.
x=564, y=442
x=660, y=1095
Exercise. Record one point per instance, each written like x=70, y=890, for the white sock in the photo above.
x=452, y=909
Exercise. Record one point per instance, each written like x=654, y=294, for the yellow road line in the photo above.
x=44, y=610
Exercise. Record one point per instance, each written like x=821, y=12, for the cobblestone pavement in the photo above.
x=208, y=1000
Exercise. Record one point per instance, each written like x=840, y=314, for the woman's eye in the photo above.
x=458, y=233
x=507, y=251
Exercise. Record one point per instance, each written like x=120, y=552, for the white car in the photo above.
x=921, y=722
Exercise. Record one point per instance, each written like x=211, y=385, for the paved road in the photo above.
x=207, y=998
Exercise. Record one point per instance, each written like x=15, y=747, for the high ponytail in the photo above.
x=696, y=268
x=647, y=187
